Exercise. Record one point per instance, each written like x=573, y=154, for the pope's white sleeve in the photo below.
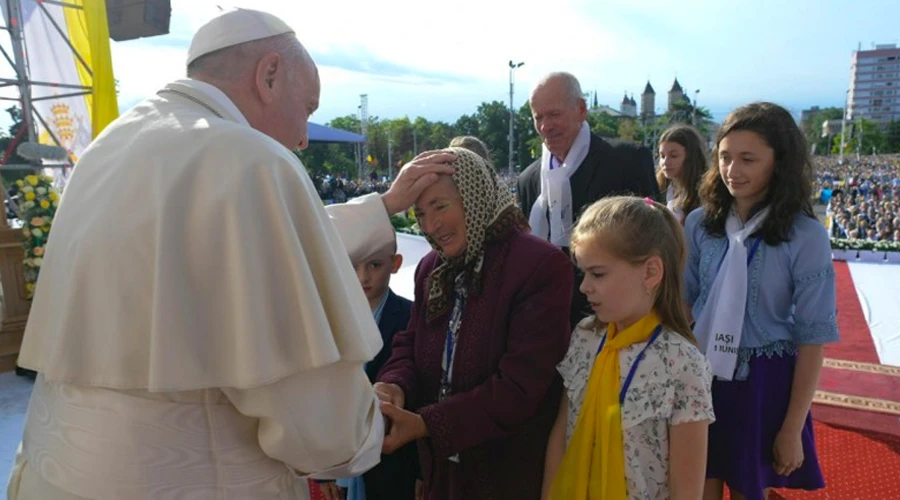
x=363, y=224
x=323, y=422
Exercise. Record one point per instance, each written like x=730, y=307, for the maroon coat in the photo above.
x=505, y=388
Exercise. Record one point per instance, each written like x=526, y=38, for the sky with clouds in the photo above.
x=440, y=60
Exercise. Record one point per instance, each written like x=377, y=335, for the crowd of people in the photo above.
x=862, y=196
x=337, y=189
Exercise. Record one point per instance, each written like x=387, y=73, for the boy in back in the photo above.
x=395, y=477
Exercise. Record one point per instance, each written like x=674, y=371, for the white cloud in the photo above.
x=441, y=59
x=468, y=40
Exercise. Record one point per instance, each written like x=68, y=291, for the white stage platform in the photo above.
x=14, y=394
x=878, y=288
x=412, y=248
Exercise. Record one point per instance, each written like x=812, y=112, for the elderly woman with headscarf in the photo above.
x=473, y=378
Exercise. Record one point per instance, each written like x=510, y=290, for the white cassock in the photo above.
x=198, y=328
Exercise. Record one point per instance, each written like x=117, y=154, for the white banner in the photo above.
x=67, y=55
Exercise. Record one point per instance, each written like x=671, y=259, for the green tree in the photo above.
x=333, y=159
x=629, y=129
x=603, y=124
x=6, y=139
x=868, y=137
x=528, y=142
x=493, y=130
x=892, y=137
x=812, y=127
x=864, y=137
x=439, y=136
x=350, y=123
x=685, y=112
x=466, y=125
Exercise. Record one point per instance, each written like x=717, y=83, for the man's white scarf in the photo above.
x=718, y=329
x=556, y=192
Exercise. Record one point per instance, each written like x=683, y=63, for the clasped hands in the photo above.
x=401, y=426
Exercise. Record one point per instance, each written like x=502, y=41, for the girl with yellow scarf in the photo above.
x=633, y=420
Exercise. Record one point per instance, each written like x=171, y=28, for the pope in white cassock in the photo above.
x=196, y=312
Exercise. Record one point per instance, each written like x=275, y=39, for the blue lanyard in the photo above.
x=753, y=249
x=449, y=354
x=634, y=365
x=455, y=318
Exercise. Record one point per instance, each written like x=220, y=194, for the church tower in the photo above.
x=648, y=102
x=628, y=107
x=675, y=95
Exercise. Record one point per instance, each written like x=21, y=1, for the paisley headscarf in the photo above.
x=491, y=212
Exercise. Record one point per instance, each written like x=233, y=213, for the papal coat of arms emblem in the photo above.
x=65, y=126
x=63, y=123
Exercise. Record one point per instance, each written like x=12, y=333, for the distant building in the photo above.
x=676, y=95
x=629, y=106
x=875, y=84
x=602, y=108
x=648, y=103
x=831, y=128
x=807, y=114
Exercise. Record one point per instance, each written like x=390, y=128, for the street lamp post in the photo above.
x=512, y=114
x=696, y=97
x=843, y=128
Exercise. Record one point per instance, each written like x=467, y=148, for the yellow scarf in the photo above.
x=594, y=464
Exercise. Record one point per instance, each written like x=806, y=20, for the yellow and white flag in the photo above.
x=68, y=44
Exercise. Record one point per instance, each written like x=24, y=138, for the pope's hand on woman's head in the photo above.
x=414, y=177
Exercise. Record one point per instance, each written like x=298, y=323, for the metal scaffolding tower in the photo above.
x=363, y=128
x=23, y=82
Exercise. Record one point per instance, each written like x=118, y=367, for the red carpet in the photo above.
x=855, y=391
x=856, y=341
x=856, y=466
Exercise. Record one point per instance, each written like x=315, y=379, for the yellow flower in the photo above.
x=53, y=195
x=20, y=183
x=31, y=179
x=29, y=287
x=38, y=251
x=45, y=204
x=37, y=221
x=29, y=196
x=46, y=229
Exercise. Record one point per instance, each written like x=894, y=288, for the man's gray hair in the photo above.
x=231, y=62
x=573, y=88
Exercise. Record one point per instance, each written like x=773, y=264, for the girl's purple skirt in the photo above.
x=749, y=415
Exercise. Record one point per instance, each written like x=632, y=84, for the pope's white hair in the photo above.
x=233, y=62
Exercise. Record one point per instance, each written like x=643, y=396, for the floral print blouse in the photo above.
x=672, y=385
